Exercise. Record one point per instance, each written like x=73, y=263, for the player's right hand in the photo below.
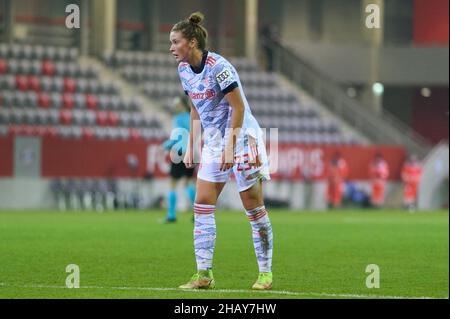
x=188, y=159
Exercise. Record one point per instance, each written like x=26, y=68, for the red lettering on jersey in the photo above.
x=208, y=94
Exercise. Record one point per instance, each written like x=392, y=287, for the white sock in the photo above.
x=204, y=235
x=262, y=237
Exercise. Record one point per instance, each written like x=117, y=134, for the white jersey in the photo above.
x=206, y=88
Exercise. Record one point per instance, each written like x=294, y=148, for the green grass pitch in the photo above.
x=132, y=255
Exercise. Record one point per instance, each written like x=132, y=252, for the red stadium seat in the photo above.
x=67, y=100
x=43, y=100
x=50, y=131
x=87, y=132
x=41, y=130
x=22, y=82
x=34, y=83
x=102, y=118
x=65, y=117
x=48, y=68
x=69, y=85
x=2, y=66
x=31, y=129
x=91, y=101
x=134, y=133
x=113, y=118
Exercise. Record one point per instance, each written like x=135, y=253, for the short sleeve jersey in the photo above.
x=207, y=87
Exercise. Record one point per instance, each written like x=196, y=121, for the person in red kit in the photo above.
x=411, y=174
x=337, y=173
x=378, y=172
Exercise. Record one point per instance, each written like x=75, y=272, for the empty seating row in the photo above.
x=275, y=95
x=137, y=74
x=66, y=100
x=272, y=105
x=122, y=58
x=45, y=67
x=293, y=109
x=258, y=79
x=56, y=83
x=99, y=132
x=77, y=117
x=298, y=124
x=39, y=52
x=162, y=90
x=314, y=138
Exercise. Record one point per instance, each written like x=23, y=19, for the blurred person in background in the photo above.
x=179, y=171
x=411, y=174
x=379, y=173
x=337, y=172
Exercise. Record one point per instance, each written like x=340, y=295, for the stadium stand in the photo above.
x=273, y=105
x=45, y=91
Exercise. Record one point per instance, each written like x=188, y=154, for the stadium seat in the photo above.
x=134, y=134
x=34, y=83
x=4, y=116
x=3, y=130
x=50, y=53
x=17, y=116
x=42, y=117
x=113, y=118
x=80, y=101
x=8, y=82
x=22, y=82
x=54, y=116
x=3, y=66
x=67, y=100
x=66, y=117
x=57, y=84
x=123, y=133
x=90, y=117
x=48, y=68
x=36, y=67
x=102, y=118
x=91, y=101
x=56, y=99
x=12, y=66
x=69, y=85
x=78, y=117
x=20, y=99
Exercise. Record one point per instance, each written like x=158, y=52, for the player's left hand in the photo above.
x=227, y=159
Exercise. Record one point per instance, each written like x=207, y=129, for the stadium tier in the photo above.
x=273, y=105
x=44, y=90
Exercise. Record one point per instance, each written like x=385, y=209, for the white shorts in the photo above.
x=245, y=176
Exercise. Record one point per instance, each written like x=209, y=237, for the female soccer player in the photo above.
x=232, y=142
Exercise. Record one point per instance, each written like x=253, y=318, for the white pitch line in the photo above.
x=276, y=292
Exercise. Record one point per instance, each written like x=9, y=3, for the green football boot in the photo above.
x=203, y=279
x=264, y=281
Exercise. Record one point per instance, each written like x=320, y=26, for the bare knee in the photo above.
x=207, y=192
x=252, y=197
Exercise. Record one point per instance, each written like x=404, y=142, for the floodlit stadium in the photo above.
x=115, y=121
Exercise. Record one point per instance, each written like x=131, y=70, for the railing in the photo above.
x=382, y=128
